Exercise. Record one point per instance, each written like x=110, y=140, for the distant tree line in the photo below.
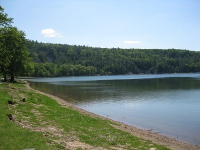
x=51, y=60
x=22, y=57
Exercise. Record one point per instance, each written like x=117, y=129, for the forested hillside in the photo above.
x=52, y=60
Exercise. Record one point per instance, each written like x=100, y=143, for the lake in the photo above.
x=168, y=104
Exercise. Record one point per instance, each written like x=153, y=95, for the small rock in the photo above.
x=24, y=100
x=152, y=149
x=10, y=117
x=10, y=102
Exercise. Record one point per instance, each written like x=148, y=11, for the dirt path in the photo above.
x=145, y=134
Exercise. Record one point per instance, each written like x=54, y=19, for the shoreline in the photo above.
x=141, y=133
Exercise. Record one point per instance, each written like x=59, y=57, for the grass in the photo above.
x=13, y=136
x=42, y=123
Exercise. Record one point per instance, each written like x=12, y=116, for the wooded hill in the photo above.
x=52, y=60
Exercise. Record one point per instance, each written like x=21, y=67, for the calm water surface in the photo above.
x=168, y=104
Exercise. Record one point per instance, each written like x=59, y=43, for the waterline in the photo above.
x=162, y=103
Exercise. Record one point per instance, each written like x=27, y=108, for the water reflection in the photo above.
x=143, y=89
x=170, y=106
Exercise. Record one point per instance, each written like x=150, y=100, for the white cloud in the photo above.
x=50, y=33
x=131, y=42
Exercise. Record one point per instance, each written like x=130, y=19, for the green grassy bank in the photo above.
x=39, y=122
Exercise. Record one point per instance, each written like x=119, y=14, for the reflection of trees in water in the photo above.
x=157, y=84
x=76, y=92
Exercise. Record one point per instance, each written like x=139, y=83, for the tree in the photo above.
x=4, y=20
x=13, y=52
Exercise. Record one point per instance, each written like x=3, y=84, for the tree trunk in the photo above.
x=5, y=77
x=12, y=78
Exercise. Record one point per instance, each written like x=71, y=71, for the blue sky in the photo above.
x=109, y=23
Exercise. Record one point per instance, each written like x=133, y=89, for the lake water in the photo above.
x=168, y=104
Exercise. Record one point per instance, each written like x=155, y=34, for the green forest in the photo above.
x=51, y=60
x=22, y=57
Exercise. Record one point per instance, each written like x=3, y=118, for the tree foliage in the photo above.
x=52, y=60
x=14, y=56
x=4, y=20
x=71, y=60
x=13, y=52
